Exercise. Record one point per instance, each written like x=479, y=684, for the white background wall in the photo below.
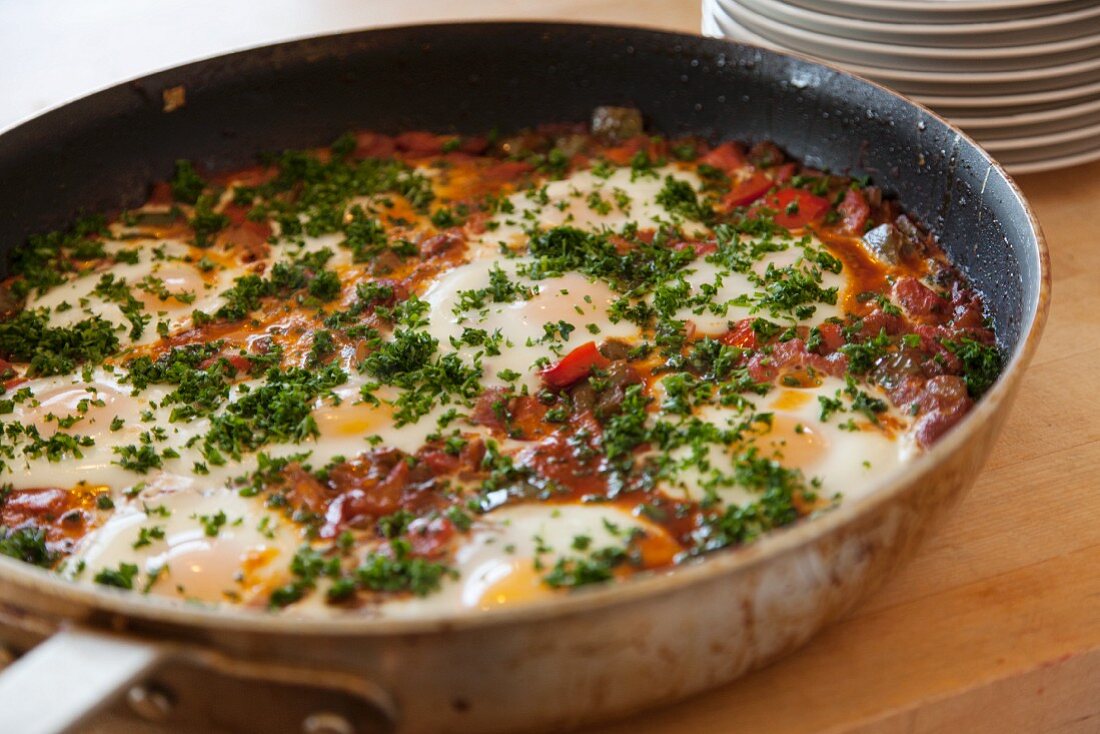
x=52, y=51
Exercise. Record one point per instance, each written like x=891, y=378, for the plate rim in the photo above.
x=953, y=6
x=1030, y=118
x=924, y=53
x=931, y=29
x=890, y=76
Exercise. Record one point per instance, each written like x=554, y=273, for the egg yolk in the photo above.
x=504, y=582
x=203, y=568
x=657, y=546
x=791, y=400
x=797, y=444
x=175, y=279
x=351, y=419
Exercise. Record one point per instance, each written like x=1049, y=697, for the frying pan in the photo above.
x=117, y=661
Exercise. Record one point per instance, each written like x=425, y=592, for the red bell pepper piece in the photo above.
x=796, y=208
x=727, y=157
x=747, y=191
x=574, y=366
x=741, y=335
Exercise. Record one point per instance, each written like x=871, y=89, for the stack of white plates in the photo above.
x=1021, y=76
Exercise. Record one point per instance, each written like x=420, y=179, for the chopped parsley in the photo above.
x=55, y=350
x=27, y=544
x=981, y=363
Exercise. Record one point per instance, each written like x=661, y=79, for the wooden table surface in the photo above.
x=995, y=626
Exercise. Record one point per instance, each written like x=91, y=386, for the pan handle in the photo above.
x=68, y=678
x=81, y=679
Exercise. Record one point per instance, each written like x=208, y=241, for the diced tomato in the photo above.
x=528, y=418
x=832, y=337
x=429, y=537
x=446, y=240
x=966, y=306
x=28, y=505
x=796, y=208
x=62, y=513
x=620, y=156
x=235, y=213
x=237, y=361
x=741, y=335
x=441, y=462
x=792, y=355
x=373, y=145
x=161, y=194
x=623, y=154
x=251, y=176
x=784, y=173
x=557, y=457
x=943, y=403
x=931, y=342
x=371, y=487
x=574, y=366
x=699, y=248
x=14, y=382
x=476, y=221
x=473, y=145
x=304, y=489
x=747, y=191
x=579, y=160
x=854, y=211
x=421, y=143
x=506, y=171
x=878, y=320
x=917, y=298
x=727, y=157
x=248, y=236
x=438, y=461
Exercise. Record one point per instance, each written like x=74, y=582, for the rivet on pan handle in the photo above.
x=85, y=681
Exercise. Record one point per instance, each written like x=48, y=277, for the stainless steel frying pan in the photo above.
x=117, y=662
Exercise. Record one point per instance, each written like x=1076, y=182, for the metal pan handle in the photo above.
x=80, y=680
x=68, y=678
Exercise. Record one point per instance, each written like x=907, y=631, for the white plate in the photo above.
x=998, y=134
x=1053, y=79
x=1041, y=154
x=710, y=25
x=1065, y=151
x=1042, y=29
x=1001, y=101
x=1044, y=115
x=1064, y=138
x=915, y=58
x=960, y=11
x=1054, y=163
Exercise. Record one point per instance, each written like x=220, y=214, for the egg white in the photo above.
x=499, y=563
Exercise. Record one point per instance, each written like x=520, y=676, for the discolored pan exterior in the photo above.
x=606, y=651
